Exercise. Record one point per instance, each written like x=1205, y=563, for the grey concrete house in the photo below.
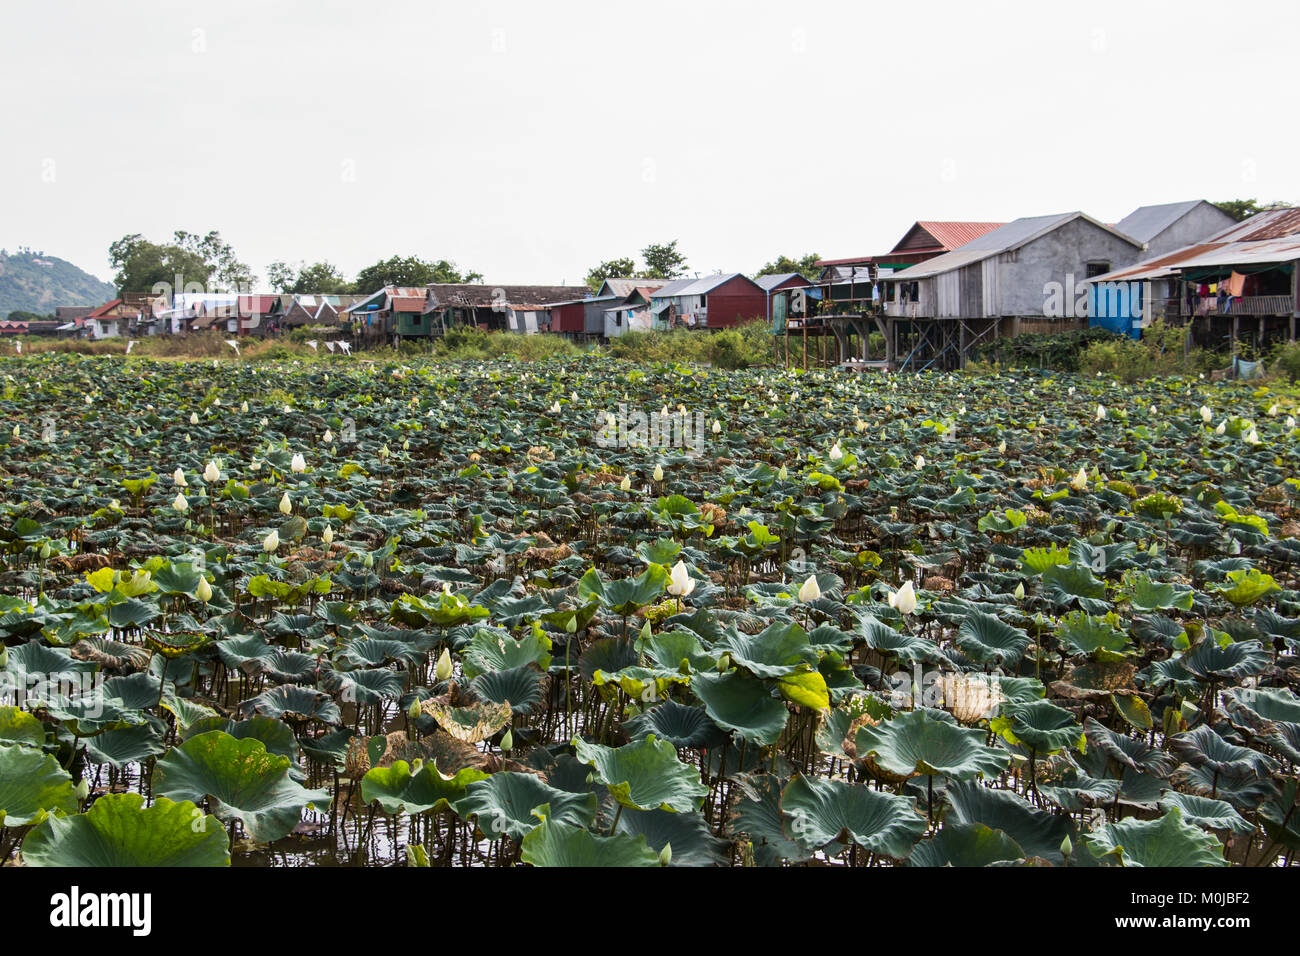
x=1169, y=226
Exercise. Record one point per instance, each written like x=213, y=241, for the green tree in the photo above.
x=228, y=272
x=806, y=266
x=322, y=278
x=410, y=271
x=141, y=264
x=613, y=269
x=1243, y=209
x=20, y=315
x=663, y=261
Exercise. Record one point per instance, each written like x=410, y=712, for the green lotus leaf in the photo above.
x=1092, y=636
x=807, y=690
x=1167, y=841
x=503, y=804
x=820, y=812
x=552, y=843
x=686, y=833
x=21, y=728
x=986, y=639
x=1078, y=792
x=119, y=831
x=778, y=650
x=1206, y=813
x=1148, y=595
x=669, y=649
x=32, y=786
x=626, y=595
x=520, y=687
x=397, y=790
x=966, y=844
x=1202, y=747
x=907, y=648
x=1038, y=560
x=679, y=724
x=1044, y=726
x=756, y=814
x=743, y=704
x=492, y=651
x=1210, y=660
x=293, y=702
x=1037, y=832
x=915, y=743
x=276, y=735
x=243, y=781
x=1130, y=751
x=127, y=745
x=1247, y=586
x=1064, y=584
x=645, y=775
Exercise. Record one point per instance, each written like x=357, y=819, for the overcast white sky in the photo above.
x=531, y=140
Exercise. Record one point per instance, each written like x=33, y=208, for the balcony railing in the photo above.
x=1254, y=305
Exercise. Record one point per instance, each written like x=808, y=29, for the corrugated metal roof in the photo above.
x=626, y=286
x=1003, y=239
x=701, y=286
x=770, y=282
x=953, y=235
x=1147, y=222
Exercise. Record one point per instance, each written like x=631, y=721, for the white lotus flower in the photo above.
x=836, y=452
x=1290, y=421
x=243, y=406
x=443, y=668
x=1222, y=427
x=1206, y=414
x=1019, y=592
x=810, y=590
x=211, y=474
x=327, y=535
x=1080, y=481
x=180, y=504
x=783, y=473
x=286, y=506
x=904, y=600
x=555, y=407
x=1274, y=409
x=1002, y=447
x=328, y=436
x=298, y=464
x=658, y=473
x=680, y=582
x=1101, y=413
x=204, y=591
x=625, y=484
x=717, y=427
x=271, y=542
x=920, y=462
x=194, y=418
x=1252, y=437
x=1070, y=390
x=178, y=478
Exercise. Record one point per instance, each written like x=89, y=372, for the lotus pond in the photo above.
x=348, y=612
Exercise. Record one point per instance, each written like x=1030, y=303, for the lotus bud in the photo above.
x=204, y=591
x=383, y=450
x=271, y=542
x=783, y=474
x=81, y=790
x=658, y=473
x=1101, y=413
x=1002, y=447
x=406, y=445
x=368, y=561
x=45, y=551
x=571, y=625
x=920, y=462
x=243, y=406
x=180, y=504
x=1066, y=847
x=298, y=464
x=1252, y=437
x=286, y=506
x=666, y=854
x=1274, y=409
x=663, y=412
x=1206, y=414
x=1290, y=421
x=555, y=407
x=194, y=418
x=905, y=600
x=328, y=436
x=413, y=712
x=810, y=591
x=681, y=583
x=1019, y=592
x=1152, y=411
x=1070, y=391
x=1222, y=427
x=1080, y=481
x=625, y=484
x=210, y=473
x=723, y=663
x=717, y=427
x=836, y=452
x=508, y=741
x=443, y=669
x=4, y=657
x=178, y=478
x=327, y=536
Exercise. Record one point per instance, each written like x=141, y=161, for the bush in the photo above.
x=1285, y=361
x=744, y=346
x=1160, y=351
x=475, y=344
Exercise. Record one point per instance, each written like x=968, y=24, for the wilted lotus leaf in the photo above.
x=173, y=644
x=472, y=724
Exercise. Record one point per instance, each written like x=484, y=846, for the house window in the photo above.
x=1097, y=269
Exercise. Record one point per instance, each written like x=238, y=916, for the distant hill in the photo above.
x=36, y=283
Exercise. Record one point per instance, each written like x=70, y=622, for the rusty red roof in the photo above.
x=951, y=234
